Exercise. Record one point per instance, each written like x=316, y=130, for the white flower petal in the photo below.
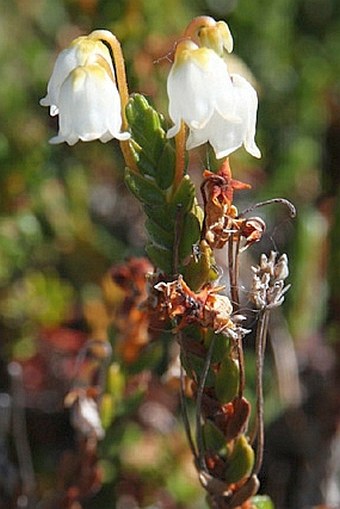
x=197, y=85
x=247, y=103
x=228, y=134
x=76, y=55
x=224, y=135
x=89, y=107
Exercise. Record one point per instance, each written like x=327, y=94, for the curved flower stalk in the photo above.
x=82, y=90
x=218, y=107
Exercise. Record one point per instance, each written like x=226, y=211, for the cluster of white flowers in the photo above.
x=218, y=107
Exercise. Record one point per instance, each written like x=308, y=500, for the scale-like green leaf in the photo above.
x=184, y=197
x=143, y=188
x=166, y=166
x=160, y=215
x=190, y=235
x=147, y=132
x=158, y=235
x=161, y=257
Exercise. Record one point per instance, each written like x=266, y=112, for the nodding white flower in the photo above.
x=217, y=107
x=227, y=135
x=83, y=92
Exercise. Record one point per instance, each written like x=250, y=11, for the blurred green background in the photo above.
x=66, y=217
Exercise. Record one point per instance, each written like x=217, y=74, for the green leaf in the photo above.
x=194, y=366
x=241, y=461
x=190, y=235
x=213, y=437
x=227, y=380
x=166, y=166
x=144, y=164
x=201, y=269
x=184, y=197
x=221, y=347
x=160, y=214
x=143, y=188
x=161, y=257
x=147, y=132
x=158, y=235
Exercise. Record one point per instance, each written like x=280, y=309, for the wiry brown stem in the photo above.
x=261, y=336
x=233, y=248
x=233, y=265
x=283, y=201
x=201, y=385
x=185, y=414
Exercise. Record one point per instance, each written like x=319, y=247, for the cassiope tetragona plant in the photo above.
x=88, y=91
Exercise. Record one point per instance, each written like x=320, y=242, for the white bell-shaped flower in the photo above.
x=74, y=56
x=217, y=108
x=89, y=107
x=198, y=85
x=83, y=92
x=227, y=135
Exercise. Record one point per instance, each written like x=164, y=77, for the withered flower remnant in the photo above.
x=207, y=308
x=268, y=287
x=221, y=216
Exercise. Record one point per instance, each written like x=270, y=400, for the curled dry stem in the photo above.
x=283, y=201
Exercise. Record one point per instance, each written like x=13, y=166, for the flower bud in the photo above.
x=217, y=37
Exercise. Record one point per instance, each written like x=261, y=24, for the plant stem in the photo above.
x=180, y=156
x=200, y=389
x=233, y=266
x=185, y=414
x=261, y=336
x=118, y=59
